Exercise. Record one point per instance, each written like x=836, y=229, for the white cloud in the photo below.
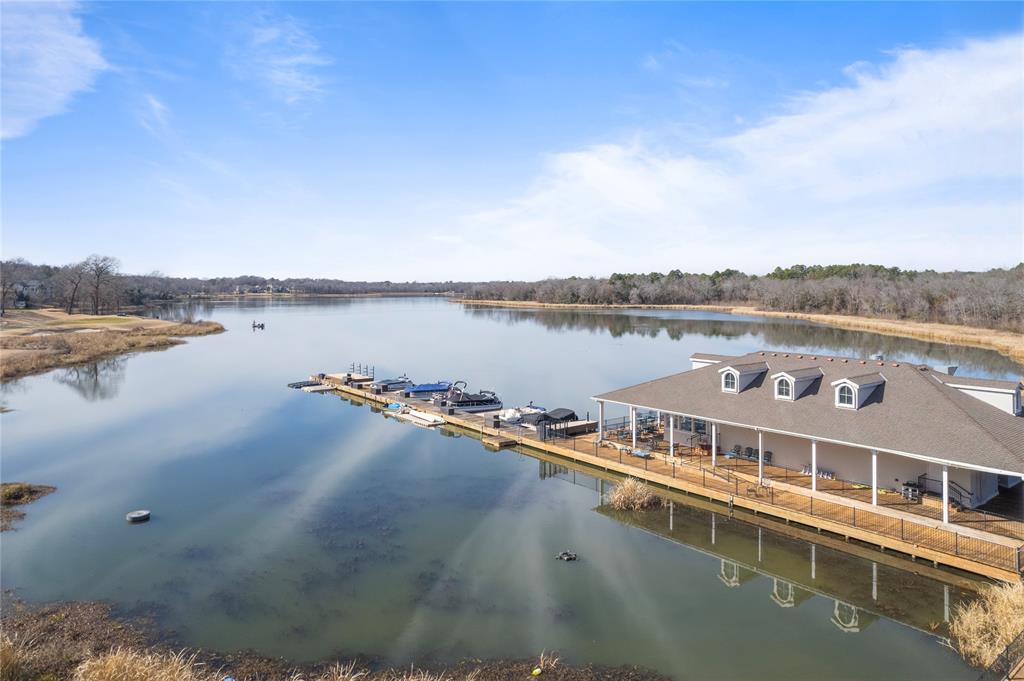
x=917, y=162
x=47, y=60
x=280, y=54
x=154, y=116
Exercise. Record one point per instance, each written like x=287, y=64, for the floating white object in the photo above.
x=137, y=516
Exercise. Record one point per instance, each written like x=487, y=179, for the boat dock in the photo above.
x=692, y=472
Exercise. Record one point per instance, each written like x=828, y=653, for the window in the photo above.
x=844, y=396
x=729, y=382
x=784, y=389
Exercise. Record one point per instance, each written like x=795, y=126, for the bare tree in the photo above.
x=100, y=273
x=11, y=273
x=70, y=279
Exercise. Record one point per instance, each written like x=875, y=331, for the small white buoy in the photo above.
x=137, y=516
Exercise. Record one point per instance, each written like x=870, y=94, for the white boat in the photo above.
x=515, y=415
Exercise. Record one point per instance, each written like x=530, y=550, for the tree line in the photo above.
x=96, y=285
x=992, y=299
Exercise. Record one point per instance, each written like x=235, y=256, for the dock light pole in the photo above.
x=945, y=494
x=874, y=477
x=600, y=421
x=814, y=465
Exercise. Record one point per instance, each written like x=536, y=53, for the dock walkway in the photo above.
x=889, y=527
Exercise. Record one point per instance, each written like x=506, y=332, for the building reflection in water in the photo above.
x=861, y=590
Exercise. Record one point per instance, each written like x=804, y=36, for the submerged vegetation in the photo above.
x=982, y=628
x=17, y=494
x=633, y=495
x=85, y=642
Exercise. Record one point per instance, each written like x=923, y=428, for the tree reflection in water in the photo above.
x=95, y=381
x=774, y=334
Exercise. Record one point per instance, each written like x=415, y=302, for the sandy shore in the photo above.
x=1004, y=342
x=34, y=341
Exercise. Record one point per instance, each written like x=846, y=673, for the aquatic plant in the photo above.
x=981, y=629
x=632, y=495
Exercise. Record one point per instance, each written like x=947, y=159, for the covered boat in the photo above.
x=425, y=390
x=390, y=385
x=457, y=397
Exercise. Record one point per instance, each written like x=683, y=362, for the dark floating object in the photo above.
x=566, y=555
x=138, y=516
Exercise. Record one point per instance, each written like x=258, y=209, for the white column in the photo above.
x=945, y=494
x=671, y=435
x=600, y=421
x=632, y=424
x=714, y=443
x=760, y=456
x=874, y=477
x=814, y=465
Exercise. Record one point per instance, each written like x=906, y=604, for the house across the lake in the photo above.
x=884, y=427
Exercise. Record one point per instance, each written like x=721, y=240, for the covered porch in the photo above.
x=938, y=492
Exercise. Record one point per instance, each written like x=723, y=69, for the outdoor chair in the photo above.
x=767, y=456
x=750, y=452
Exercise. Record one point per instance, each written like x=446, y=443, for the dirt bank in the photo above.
x=34, y=341
x=1004, y=342
x=51, y=641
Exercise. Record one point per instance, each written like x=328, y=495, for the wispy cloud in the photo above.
x=47, y=60
x=154, y=116
x=282, y=56
x=917, y=162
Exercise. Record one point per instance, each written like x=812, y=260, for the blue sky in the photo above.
x=474, y=141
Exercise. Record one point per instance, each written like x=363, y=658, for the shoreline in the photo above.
x=36, y=341
x=1006, y=343
x=51, y=640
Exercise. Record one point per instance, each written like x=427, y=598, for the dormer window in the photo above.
x=784, y=389
x=729, y=382
x=845, y=397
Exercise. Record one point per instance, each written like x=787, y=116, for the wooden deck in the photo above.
x=783, y=495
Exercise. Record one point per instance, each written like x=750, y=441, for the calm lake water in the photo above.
x=300, y=525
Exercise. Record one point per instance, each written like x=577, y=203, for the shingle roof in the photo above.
x=748, y=367
x=707, y=356
x=913, y=411
x=980, y=382
x=809, y=372
x=865, y=379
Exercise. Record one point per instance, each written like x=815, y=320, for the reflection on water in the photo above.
x=774, y=333
x=786, y=570
x=96, y=380
x=304, y=525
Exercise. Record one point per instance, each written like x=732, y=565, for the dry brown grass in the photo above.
x=632, y=495
x=23, y=355
x=12, y=660
x=983, y=628
x=128, y=665
x=16, y=494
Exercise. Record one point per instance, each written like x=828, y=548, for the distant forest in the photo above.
x=992, y=299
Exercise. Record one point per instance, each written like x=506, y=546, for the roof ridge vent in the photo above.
x=846, y=361
x=863, y=362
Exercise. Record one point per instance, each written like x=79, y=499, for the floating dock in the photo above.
x=917, y=537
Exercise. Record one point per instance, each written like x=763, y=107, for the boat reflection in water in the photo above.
x=789, y=570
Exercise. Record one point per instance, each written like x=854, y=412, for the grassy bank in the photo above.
x=87, y=642
x=34, y=341
x=1004, y=342
x=14, y=494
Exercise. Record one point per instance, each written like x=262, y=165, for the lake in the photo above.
x=303, y=526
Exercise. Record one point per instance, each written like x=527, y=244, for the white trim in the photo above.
x=909, y=455
x=853, y=390
x=982, y=388
x=790, y=383
x=729, y=371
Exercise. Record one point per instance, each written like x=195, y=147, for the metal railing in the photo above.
x=1006, y=662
